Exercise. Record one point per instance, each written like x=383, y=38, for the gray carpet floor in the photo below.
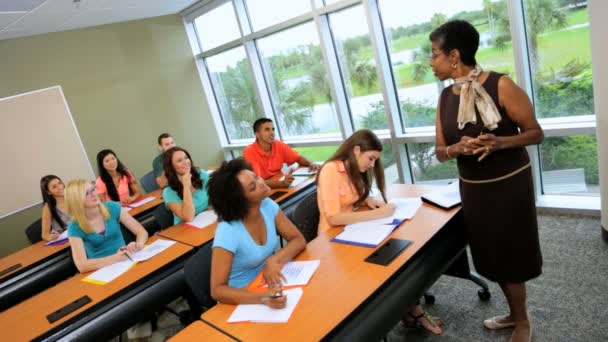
x=568, y=302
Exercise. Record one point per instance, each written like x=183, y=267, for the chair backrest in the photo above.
x=306, y=216
x=148, y=182
x=163, y=216
x=197, y=272
x=34, y=231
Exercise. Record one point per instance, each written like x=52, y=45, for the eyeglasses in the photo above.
x=433, y=55
x=91, y=191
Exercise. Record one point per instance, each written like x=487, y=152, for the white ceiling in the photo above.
x=21, y=18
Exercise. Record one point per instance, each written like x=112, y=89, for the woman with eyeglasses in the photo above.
x=95, y=236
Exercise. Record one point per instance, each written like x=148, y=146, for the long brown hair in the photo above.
x=173, y=179
x=362, y=181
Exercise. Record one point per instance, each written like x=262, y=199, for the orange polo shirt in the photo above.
x=267, y=165
x=335, y=192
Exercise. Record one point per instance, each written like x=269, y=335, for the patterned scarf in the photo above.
x=473, y=94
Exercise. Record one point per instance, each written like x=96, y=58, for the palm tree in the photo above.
x=541, y=16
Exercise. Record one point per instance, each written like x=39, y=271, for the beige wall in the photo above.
x=125, y=84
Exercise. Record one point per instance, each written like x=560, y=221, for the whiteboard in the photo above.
x=38, y=136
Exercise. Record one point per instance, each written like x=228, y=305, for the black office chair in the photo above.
x=163, y=216
x=148, y=182
x=306, y=216
x=197, y=272
x=34, y=231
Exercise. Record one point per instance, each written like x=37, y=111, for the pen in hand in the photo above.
x=124, y=249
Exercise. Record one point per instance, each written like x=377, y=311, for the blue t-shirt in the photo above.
x=97, y=245
x=249, y=257
x=199, y=197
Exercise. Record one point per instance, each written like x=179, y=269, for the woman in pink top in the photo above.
x=344, y=184
x=115, y=181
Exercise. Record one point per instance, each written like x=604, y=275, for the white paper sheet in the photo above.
x=406, y=207
x=446, y=197
x=141, y=202
x=296, y=180
x=203, y=219
x=152, y=249
x=303, y=171
x=106, y=274
x=61, y=239
x=365, y=234
x=298, y=273
x=263, y=314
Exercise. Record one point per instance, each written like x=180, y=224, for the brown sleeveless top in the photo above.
x=498, y=163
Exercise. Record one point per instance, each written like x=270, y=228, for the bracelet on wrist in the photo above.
x=447, y=151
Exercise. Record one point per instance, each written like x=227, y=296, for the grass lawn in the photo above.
x=320, y=153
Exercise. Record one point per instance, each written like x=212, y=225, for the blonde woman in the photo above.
x=94, y=233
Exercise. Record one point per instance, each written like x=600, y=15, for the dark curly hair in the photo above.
x=225, y=192
x=172, y=179
x=107, y=179
x=459, y=35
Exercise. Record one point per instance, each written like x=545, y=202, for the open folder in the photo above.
x=108, y=273
x=445, y=198
x=367, y=233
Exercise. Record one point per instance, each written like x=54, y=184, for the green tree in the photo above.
x=541, y=16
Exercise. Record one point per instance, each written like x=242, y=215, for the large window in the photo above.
x=217, y=27
x=297, y=79
x=234, y=91
x=557, y=33
x=407, y=30
x=323, y=68
x=358, y=67
x=569, y=165
x=266, y=13
x=426, y=169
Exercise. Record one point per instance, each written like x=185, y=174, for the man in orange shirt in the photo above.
x=267, y=155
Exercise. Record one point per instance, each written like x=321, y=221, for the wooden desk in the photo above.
x=343, y=281
x=291, y=191
x=158, y=199
x=198, y=237
x=199, y=331
x=189, y=235
x=29, y=257
x=28, y=319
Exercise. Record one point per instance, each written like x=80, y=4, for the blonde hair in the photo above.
x=75, y=195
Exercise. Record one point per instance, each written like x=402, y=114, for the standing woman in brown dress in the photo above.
x=485, y=120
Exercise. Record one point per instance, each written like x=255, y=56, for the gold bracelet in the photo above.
x=447, y=152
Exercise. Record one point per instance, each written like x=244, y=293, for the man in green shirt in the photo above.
x=165, y=142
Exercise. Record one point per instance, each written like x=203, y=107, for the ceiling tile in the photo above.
x=37, y=21
x=7, y=18
x=19, y=5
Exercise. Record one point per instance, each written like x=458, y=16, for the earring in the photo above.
x=454, y=66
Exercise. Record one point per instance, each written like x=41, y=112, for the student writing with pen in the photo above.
x=95, y=236
x=246, y=239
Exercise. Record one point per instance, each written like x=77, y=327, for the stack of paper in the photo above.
x=446, y=198
x=203, y=219
x=106, y=274
x=303, y=171
x=297, y=273
x=366, y=234
x=265, y=314
x=60, y=240
x=405, y=208
x=141, y=202
x=152, y=249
